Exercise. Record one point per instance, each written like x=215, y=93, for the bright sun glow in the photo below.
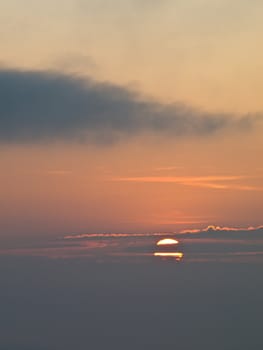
x=176, y=255
x=167, y=241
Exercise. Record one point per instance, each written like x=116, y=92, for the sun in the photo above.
x=167, y=241
x=177, y=255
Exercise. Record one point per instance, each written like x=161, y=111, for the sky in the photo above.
x=130, y=116
x=123, y=124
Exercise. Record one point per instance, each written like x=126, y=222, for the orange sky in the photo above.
x=204, y=54
x=132, y=187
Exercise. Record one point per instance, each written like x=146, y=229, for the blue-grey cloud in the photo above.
x=37, y=106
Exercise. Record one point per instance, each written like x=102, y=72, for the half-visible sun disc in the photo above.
x=167, y=241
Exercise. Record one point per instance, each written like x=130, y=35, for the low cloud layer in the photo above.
x=39, y=106
x=211, y=229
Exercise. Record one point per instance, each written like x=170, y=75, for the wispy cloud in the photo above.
x=38, y=106
x=114, y=235
x=212, y=182
x=213, y=228
x=178, y=179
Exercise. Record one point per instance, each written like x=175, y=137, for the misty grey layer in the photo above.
x=37, y=106
x=72, y=304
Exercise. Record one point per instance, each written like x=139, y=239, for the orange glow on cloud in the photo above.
x=213, y=228
x=179, y=179
x=211, y=182
x=115, y=235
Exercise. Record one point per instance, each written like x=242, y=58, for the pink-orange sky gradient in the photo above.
x=137, y=117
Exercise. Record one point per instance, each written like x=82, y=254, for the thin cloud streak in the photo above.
x=195, y=181
x=178, y=179
x=114, y=235
x=223, y=186
x=213, y=228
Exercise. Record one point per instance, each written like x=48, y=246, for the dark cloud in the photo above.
x=37, y=106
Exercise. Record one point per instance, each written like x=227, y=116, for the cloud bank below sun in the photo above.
x=40, y=106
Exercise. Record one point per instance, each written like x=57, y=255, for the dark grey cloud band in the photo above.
x=39, y=106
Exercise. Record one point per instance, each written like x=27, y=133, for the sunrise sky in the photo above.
x=130, y=115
